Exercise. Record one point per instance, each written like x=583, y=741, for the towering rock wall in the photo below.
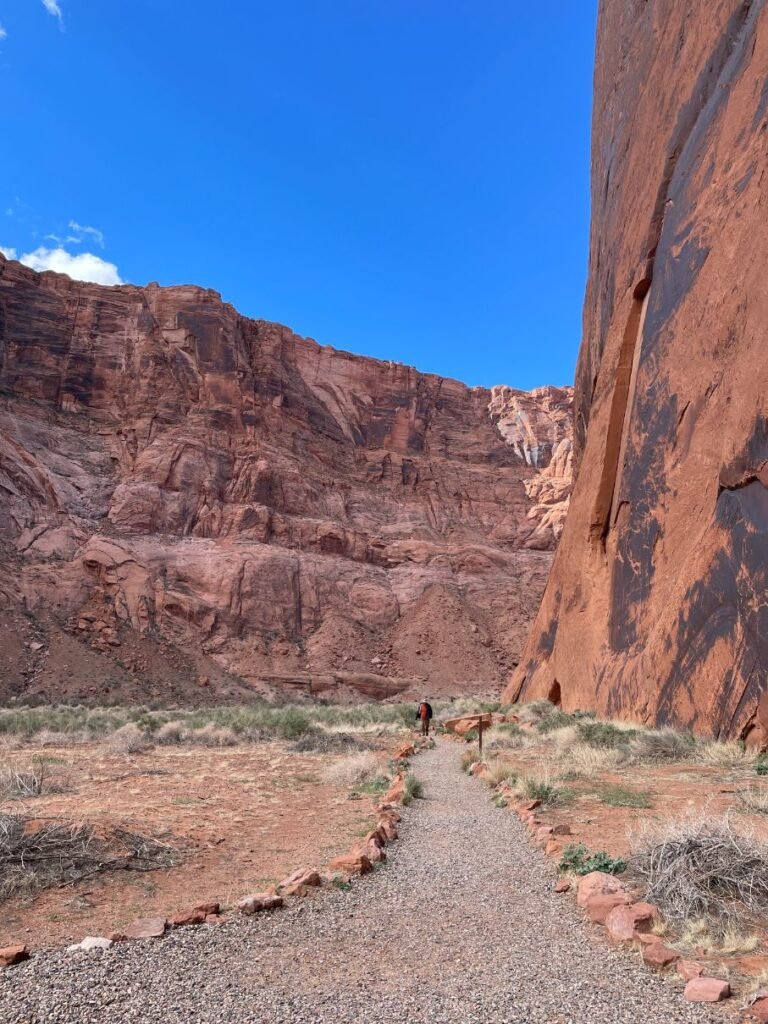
x=657, y=607
x=298, y=516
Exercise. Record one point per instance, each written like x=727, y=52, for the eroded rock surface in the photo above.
x=656, y=607
x=179, y=482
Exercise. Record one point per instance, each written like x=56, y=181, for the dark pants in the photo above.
x=425, y=727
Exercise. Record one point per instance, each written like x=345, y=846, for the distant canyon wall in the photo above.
x=305, y=519
x=657, y=605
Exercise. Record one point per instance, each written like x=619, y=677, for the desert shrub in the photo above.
x=321, y=742
x=35, y=856
x=761, y=766
x=556, y=720
x=754, y=799
x=500, y=771
x=700, y=868
x=128, y=739
x=535, y=711
x=583, y=761
x=213, y=736
x=414, y=790
x=540, y=788
x=604, y=735
x=353, y=770
x=663, y=745
x=724, y=755
x=20, y=783
x=468, y=758
x=171, y=732
x=471, y=736
x=622, y=796
x=508, y=728
x=580, y=861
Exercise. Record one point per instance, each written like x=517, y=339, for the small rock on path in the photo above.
x=460, y=925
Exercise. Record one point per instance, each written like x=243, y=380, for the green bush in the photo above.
x=414, y=790
x=541, y=789
x=762, y=765
x=604, y=735
x=557, y=720
x=471, y=736
x=580, y=861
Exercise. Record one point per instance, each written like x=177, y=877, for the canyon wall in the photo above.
x=211, y=506
x=657, y=608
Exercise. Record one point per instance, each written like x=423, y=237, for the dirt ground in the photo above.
x=672, y=791
x=243, y=817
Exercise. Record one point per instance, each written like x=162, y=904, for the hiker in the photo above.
x=424, y=714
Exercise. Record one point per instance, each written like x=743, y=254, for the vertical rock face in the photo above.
x=297, y=515
x=657, y=606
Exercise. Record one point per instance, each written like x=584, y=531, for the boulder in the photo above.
x=656, y=954
x=597, y=883
x=623, y=923
x=759, y=1008
x=14, y=954
x=707, y=990
x=403, y=753
x=689, y=969
x=260, y=901
x=186, y=918
x=146, y=928
x=354, y=863
x=600, y=905
x=396, y=791
x=299, y=882
x=387, y=827
x=374, y=852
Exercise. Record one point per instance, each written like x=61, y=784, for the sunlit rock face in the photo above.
x=302, y=517
x=657, y=607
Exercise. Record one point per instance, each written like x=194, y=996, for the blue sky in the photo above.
x=408, y=180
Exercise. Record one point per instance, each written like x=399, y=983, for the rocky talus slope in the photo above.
x=197, y=504
x=656, y=607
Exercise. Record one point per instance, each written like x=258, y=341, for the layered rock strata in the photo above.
x=178, y=481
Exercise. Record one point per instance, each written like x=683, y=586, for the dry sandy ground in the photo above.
x=243, y=817
x=673, y=791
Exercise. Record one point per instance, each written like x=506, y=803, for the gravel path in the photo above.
x=461, y=925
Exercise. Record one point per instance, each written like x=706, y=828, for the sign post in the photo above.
x=480, y=737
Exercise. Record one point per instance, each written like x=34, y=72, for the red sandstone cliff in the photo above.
x=657, y=606
x=190, y=497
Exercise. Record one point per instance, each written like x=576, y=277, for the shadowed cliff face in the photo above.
x=300, y=516
x=656, y=606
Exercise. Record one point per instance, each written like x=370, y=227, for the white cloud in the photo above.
x=3, y=33
x=82, y=266
x=52, y=6
x=82, y=229
x=10, y=254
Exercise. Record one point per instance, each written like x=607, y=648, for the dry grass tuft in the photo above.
x=662, y=745
x=213, y=736
x=725, y=755
x=755, y=799
x=700, y=868
x=501, y=771
x=128, y=739
x=585, y=761
x=353, y=770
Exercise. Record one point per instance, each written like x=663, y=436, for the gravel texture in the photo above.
x=461, y=925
